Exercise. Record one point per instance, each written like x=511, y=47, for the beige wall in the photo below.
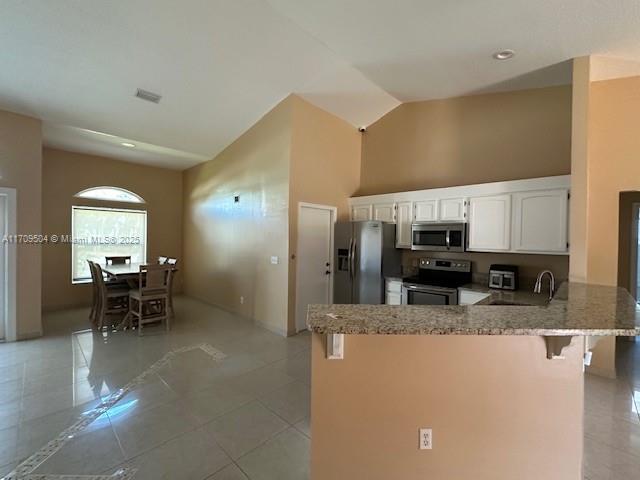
x=605, y=163
x=21, y=168
x=228, y=245
x=499, y=410
x=325, y=169
x=467, y=140
x=67, y=173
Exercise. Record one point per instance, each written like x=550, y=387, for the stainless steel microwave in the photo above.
x=438, y=237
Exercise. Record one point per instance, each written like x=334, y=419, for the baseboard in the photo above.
x=283, y=332
x=602, y=372
x=29, y=335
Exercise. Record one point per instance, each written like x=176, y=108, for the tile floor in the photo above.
x=243, y=417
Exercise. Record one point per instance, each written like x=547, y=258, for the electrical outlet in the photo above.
x=241, y=300
x=426, y=439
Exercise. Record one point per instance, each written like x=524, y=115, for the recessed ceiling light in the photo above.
x=504, y=54
x=127, y=144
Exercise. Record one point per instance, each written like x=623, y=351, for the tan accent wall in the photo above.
x=325, y=169
x=66, y=173
x=21, y=168
x=467, y=140
x=499, y=410
x=228, y=245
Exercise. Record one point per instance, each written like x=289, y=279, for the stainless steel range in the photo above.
x=437, y=282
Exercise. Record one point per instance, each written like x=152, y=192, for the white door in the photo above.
x=361, y=213
x=426, y=211
x=314, y=259
x=3, y=267
x=404, y=218
x=385, y=212
x=540, y=221
x=490, y=223
x=453, y=210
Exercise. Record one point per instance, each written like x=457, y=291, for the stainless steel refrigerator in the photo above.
x=365, y=252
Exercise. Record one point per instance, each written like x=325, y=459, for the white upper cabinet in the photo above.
x=404, y=218
x=540, y=221
x=489, y=226
x=426, y=211
x=528, y=216
x=452, y=210
x=385, y=212
x=361, y=213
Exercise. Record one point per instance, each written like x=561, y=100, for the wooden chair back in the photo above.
x=118, y=260
x=154, y=279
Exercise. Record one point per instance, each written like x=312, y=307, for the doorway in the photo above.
x=634, y=283
x=314, y=271
x=7, y=265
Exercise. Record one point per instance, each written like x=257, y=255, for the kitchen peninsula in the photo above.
x=500, y=384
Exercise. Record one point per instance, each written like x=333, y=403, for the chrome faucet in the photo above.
x=552, y=283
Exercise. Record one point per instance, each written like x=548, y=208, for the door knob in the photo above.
x=328, y=272
x=327, y=264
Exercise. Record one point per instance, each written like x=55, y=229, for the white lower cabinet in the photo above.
x=385, y=212
x=469, y=297
x=489, y=226
x=540, y=221
x=404, y=217
x=361, y=213
x=393, y=292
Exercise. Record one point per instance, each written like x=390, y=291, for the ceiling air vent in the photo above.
x=148, y=96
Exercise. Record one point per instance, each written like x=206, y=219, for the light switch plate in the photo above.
x=275, y=260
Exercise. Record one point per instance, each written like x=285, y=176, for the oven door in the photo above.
x=415, y=294
x=438, y=237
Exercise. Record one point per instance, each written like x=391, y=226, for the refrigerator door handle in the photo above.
x=353, y=259
x=349, y=256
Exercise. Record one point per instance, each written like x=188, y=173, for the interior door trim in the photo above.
x=334, y=216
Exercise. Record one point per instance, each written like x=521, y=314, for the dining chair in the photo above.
x=162, y=260
x=150, y=301
x=111, y=300
x=173, y=262
x=94, y=293
x=118, y=260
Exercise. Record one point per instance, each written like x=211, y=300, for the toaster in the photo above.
x=504, y=277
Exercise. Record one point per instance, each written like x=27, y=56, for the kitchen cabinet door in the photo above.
x=453, y=210
x=540, y=221
x=385, y=212
x=404, y=218
x=361, y=213
x=489, y=226
x=393, y=298
x=426, y=211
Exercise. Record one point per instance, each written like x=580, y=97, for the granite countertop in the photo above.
x=576, y=309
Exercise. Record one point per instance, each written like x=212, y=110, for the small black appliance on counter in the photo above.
x=504, y=277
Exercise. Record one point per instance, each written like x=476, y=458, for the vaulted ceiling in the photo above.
x=220, y=65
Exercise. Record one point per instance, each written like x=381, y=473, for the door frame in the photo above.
x=10, y=275
x=633, y=253
x=334, y=216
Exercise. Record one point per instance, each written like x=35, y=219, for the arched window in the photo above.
x=98, y=232
x=113, y=194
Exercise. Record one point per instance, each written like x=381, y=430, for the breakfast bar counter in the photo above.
x=499, y=385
